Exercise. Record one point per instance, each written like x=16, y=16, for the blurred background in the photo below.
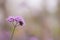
x=42, y=18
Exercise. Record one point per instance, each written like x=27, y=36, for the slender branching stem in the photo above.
x=13, y=33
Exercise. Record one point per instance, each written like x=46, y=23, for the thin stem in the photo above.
x=13, y=33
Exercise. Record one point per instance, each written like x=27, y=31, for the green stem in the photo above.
x=12, y=33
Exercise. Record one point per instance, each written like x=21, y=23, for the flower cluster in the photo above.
x=18, y=19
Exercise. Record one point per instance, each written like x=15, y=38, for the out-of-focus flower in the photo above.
x=4, y=35
x=10, y=19
x=16, y=20
x=33, y=38
x=20, y=20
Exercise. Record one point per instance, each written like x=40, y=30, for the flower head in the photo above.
x=20, y=20
x=10, y=19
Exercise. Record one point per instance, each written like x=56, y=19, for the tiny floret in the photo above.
x=20, y=20
x=10, y=19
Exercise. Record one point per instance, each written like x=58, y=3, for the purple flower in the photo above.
x=33, y=38
x=20, y=20
x=10, y=19
x=4, y=35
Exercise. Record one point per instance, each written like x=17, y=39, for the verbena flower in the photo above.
x=15, y=20
x=10, y=19
x=20, y=20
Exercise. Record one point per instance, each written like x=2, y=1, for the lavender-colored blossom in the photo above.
x=16, y=20
x=20, y=20
x=10, y=19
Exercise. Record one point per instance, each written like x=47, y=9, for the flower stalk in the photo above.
x=13, y=33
